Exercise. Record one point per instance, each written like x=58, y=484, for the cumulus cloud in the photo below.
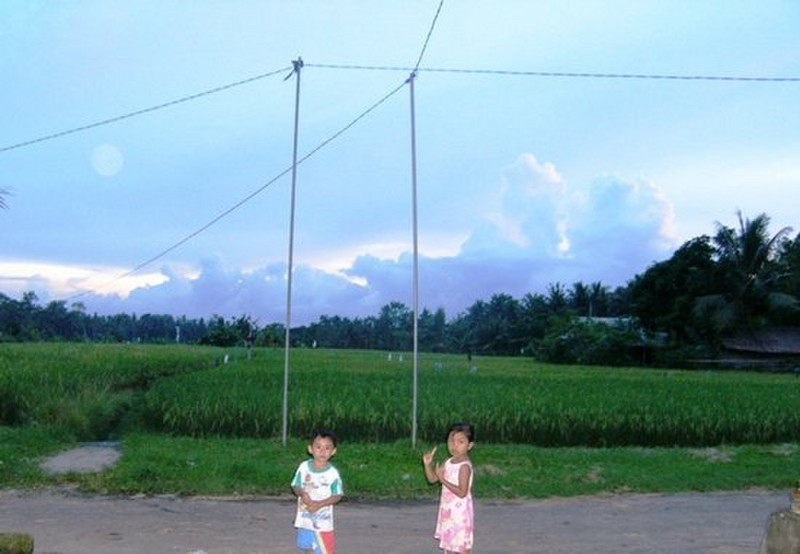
x=539, y=230
x=527, y=217
x=629, y=222
x=546, y=231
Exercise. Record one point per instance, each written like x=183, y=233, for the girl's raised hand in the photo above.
x=427, y=457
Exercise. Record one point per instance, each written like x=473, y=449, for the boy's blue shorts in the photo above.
x=319, y=542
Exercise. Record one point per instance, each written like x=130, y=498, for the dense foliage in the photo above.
x=712, y=287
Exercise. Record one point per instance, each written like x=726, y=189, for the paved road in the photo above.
x=65, y=522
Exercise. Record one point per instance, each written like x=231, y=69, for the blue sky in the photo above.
x=523, y=180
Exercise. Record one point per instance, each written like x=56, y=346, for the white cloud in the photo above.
x=528, y=214
x=62, y=280
x=628, y=224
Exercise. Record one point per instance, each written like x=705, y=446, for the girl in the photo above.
x=454, y=523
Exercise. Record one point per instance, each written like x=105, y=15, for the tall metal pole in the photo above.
x=298, y=64
x=416, y=261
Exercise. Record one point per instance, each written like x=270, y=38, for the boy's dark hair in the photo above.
x=461, y=427
x=325, y=434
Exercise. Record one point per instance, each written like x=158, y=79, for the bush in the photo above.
x=574, y=341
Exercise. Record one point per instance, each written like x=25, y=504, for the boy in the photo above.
x=318, y=487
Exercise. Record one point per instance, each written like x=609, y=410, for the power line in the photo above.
x=247, y=198
x=562, y=74
x=427, y=38
x=142, y=111
x=565, y=74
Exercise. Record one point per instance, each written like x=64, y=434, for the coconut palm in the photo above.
x=745, y=257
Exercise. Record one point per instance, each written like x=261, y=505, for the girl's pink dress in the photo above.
x=455, y=522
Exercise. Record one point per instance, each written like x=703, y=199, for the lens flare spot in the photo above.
x=107, y=160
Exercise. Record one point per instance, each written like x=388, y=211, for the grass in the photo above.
x=162, y=464
x=21, y=449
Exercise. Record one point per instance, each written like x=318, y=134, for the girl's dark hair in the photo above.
x=462, y=427
x=324, y=434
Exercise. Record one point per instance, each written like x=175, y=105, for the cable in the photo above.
x=407, y=69
x=427, y=38
x=560, y=73
x=142, y=111
x=246, y=199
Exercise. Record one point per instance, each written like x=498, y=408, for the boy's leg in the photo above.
x=325, y=542
x=306, y=541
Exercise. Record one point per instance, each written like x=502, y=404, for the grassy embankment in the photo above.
x=189, y=424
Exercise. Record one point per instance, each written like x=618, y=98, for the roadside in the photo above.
x=63, y=521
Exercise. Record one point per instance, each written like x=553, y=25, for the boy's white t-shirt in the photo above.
x=319, y=484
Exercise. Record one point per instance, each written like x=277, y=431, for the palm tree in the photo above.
x=3, y=194
x=590, y=300
x=750, y=276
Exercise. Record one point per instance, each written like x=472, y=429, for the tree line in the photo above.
x=712, y=287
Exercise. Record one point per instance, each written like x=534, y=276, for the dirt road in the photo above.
x=65, y=522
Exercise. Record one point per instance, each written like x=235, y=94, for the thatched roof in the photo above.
x=767, y=340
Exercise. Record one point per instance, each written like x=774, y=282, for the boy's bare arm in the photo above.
x=330, y=501
x=298, y=491
x=314, y=505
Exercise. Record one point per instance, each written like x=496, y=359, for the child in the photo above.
x=318, y=487
x=454, y=523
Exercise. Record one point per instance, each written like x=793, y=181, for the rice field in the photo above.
x=86, y=388
x=508, y=400
x=366, y=396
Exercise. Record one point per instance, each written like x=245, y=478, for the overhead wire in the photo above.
x=428, y=37
x=246, y=199
x=253, y=194
x=415, y=69
x=582, y=75
x=142, y=111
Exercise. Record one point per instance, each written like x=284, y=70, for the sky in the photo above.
x=146, y=147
